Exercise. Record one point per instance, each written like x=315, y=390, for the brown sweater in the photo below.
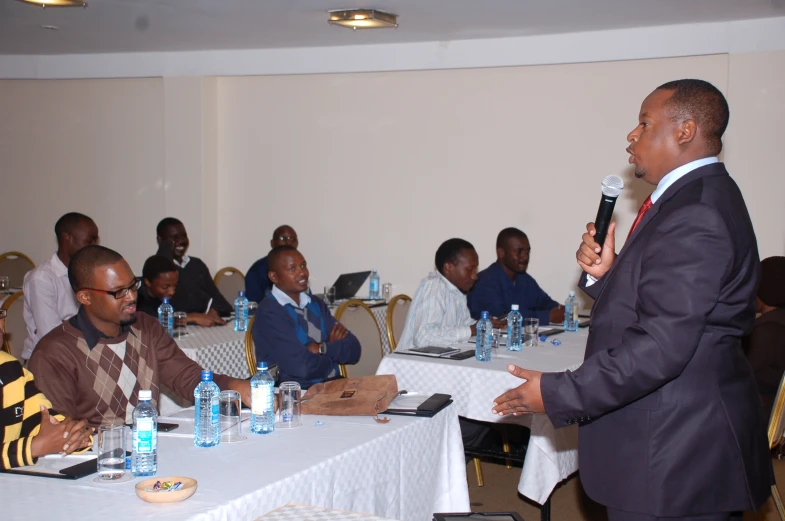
x=96, y=384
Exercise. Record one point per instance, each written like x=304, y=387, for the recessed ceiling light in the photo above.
x=50, y=27
x=363, y=18
x=56, y=3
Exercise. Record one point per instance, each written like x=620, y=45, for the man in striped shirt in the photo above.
x=28, y=429
x=439, y=314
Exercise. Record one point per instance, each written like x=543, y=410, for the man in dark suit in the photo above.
x=670, y=421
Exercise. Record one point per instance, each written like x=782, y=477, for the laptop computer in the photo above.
x=348, y=283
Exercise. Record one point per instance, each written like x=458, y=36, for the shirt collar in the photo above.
x=450, y=286
x=284, y=299
x=59, y=268
x=91, y=333
x=182, y=264
x=677, y=174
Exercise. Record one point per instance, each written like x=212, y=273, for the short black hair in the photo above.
x=276, y=253
x=450, y=251
x=156, y=265
x=703, y=103
x=165, y=223
x=84, y=263
x=68, y=222
x=507, y=234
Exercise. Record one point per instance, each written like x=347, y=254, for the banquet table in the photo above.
x=406, y=469
x=552, y=454
x=220, y=349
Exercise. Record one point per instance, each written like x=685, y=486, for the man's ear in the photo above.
x=687, y=131
x=273, y=276
x=158, y=239
x=500, y=253
x=83, y=297
x=272, y=244
x=147, y=284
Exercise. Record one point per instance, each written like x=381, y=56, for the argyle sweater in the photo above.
x=20, y=413
x=89, y=376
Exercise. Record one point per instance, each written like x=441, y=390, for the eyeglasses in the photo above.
x=283, y=239
x=122, y=292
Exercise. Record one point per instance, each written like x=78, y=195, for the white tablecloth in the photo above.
x=552, y=454
x=405, y=469
x=294, y=512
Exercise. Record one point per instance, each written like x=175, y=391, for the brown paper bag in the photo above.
x=364, y=396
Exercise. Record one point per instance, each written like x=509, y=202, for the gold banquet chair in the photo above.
x=397, y=310
x=776, y=431
x=15, y=265
x=15, y=329
x=250, y=351
x=358, y=318
x=229, y=281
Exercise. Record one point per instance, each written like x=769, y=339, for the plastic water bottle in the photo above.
x=514, y=329
x=207, y=420
x=144, y=459
x=374, y=293
x=571, y=309
x=262, y=401
x=482, y=351
x=166, y=316
x=241, y=312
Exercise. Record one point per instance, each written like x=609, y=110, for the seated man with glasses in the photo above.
x=159, y=280
x=257, y=283
x=29, y=428
x=94, y=365
x=196, y=291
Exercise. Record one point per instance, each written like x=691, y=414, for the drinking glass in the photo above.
x=496, y=338
x=329, y=294
x=180, y=324
x=231, y=423
x=290, y=405
x=387, y=292
x=531, y=331
x=111, y=452
x=5, y=285
x=252, y=307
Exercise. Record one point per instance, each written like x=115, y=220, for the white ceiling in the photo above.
x=180, y=25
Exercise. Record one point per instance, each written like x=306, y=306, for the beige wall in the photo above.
x=373, y=170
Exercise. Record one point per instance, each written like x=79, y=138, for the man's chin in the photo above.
x=128, y=321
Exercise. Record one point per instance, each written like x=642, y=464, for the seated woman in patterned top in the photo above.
x=28, y=428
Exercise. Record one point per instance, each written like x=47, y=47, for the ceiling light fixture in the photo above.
x=56, y=3
x=363, y=18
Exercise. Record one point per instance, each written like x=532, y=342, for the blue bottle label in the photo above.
x=215, y=417
x=145, y=442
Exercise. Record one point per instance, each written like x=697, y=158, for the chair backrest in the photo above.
x=358, y=318
x=250, y=351
x=397, y=310
x=15, y=329
x=777, y=418
x=15, y=265
x=229, y=281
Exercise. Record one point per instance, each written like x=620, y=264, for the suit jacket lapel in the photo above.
x=698, y=173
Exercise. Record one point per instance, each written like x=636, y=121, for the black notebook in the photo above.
x=73, y=466
x=419, y=405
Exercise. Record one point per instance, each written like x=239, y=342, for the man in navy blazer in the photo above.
x=670, y=421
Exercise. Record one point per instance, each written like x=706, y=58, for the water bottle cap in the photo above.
x=514, y=307
x=145, y=394
x=485, y=315
x=261, y=366
x=241, y=293
x=572, y=293
x=165, y=300
x=207, y=375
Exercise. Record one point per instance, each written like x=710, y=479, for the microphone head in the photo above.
x=612, y=186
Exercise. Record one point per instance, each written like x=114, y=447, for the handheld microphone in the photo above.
x=611, y=188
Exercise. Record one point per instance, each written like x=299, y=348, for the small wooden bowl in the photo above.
x=164, y=496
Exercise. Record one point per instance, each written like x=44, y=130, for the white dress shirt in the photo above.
x=183, y=263
x=438, y=316
x=284, y=299
x=48, y=301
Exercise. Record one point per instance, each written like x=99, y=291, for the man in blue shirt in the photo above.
x=295, y=330
x=257, y=283
x=505, y=282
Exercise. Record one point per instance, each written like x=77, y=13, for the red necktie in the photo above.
x=644, y=208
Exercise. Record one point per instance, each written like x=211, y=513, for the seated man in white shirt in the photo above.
x=439, y=314
x=48, y=297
